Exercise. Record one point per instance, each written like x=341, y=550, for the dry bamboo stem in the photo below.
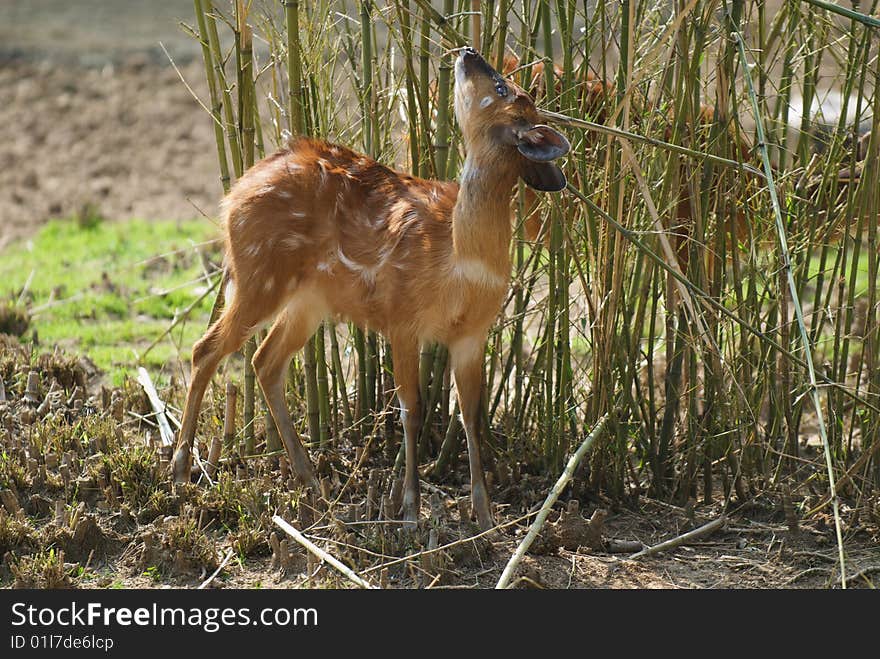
x=320, y=553
x=538, y=524
x=223, y=563
x=229, y=417
x=683, y=539
x=165, y=431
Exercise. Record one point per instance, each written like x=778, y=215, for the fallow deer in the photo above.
x=317, y=231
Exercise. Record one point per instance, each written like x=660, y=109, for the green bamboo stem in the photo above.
x=235, y=149
x=362, y=400
x=323, y=388
x=249, y=396
x=441, y=146
x=372, y=371
x=805, y=342
x=294, y=67
x=216, y=104
x=339, y=379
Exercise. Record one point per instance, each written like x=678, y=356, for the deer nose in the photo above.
x=474, y=63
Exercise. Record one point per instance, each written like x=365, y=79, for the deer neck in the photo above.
x=481, y=226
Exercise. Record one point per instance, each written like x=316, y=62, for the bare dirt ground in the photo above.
x=93, y=114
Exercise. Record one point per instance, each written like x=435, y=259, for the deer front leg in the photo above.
x=467, y=367
x=406, y=376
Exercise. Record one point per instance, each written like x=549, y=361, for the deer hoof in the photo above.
x=482, y=509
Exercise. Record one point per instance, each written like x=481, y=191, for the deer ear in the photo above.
x=543, y=176
x=542, y=144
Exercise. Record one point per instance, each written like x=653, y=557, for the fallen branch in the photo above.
x=683, y=539
x=223, y=563
x=165, y=431
x=320, y=553
x=563, y=480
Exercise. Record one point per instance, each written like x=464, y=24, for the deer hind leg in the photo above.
x=225, y=336
x=406, y=377
x=288, y=334
x=467, y=367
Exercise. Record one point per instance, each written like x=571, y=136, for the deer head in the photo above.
x=500, y=123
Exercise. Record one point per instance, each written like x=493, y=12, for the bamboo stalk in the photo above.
x=563, y=480
x=805, y=341
x=323, y=388
x=229, y=418
x=683, y=539
x=350, y=574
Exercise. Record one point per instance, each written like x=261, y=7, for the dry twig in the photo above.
x=320, y=553
x=683, y=539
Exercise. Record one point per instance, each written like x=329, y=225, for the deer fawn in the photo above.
x=318, y=231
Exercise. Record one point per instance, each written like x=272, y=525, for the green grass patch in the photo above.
x=110, y=289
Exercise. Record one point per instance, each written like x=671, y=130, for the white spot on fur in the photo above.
x=399, y=209
x=329, y=263
x=266, y=189
x=340, y=202
x=284, y=194
x=486, y=102
x=298, y=214
x=269, y=284
x=229, y=292
x=252, y=250
x=478, y=272
x=367, y=272
x=295, y=242
x=322, y=168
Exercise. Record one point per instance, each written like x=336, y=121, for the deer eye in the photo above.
x=501, y=89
